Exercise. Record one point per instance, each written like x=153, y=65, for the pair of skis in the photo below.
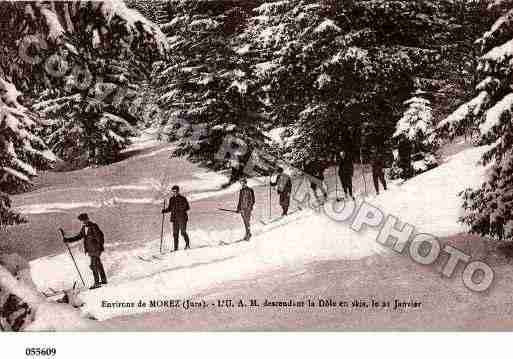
x=153, y=257
x=150, y=259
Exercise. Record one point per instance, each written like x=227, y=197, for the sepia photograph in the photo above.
x=255, y=166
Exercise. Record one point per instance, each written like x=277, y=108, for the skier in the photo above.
x=245, y=206
x=236, y=163
x=93, y=246
x=178, y=207
x=377, y=163
x=345, y=171
x=404, y=151
x=284, y=187
x=316, y=168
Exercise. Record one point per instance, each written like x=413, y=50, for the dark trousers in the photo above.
x=98, y=271
x=180, y=227
x=407, y=168
x=246, y=219
x=379, y=175
x=347, y=182
x=284, y=202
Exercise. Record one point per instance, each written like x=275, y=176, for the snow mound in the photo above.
x=430, y=201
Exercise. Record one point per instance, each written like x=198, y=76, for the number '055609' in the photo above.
x=40, y=351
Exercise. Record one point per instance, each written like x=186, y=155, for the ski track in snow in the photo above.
x=428, y=201
x=206, y=186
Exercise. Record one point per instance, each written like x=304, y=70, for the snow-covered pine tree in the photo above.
x=22, y=153
x=90, y=57
x=209, y=87
x=36, y=37
x=418, y=128
x=335, y=70
x=8, y=217
x=490, y=207
x=94, y=125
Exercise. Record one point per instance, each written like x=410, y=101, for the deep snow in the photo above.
x=428, y=201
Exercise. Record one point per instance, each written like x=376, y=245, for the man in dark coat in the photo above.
x=315, y=169
x=178, y=207
x=378, y=164
x=345, y=171
x=245, y=206
x=283, y=187
x=93, y=246
x=404, y=151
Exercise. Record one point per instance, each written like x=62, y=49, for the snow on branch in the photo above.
x=132, y=18
x=500, y=27
x=16, y=139
x=327, y=25
x=272, y=8
x=416, y=121
x=489, y=84
x=55, y=29
x=472, y=108
x=495, y=114
x=499, y=53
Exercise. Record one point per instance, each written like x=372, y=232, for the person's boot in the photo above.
x=95, y=286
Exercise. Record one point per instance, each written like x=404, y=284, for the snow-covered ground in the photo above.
x=429, y=202
x=204, y=185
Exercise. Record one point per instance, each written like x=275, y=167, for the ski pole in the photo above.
x=227, y=210
x=162, y=228
x=363, y=173
x=71, y=255
x=270, y=196
x=336, y=183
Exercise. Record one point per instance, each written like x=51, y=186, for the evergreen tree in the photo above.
x=21, y=151
x=331, y=72
x=55, y=51
x=334, y=71
x=7, y=216
x=90, y=58
x=418, y=128
x=209, y=87
x=490, y=208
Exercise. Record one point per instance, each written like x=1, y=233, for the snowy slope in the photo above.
x=429, y=202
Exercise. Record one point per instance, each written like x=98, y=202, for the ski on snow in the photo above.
x=151, y=258
x=276, y=219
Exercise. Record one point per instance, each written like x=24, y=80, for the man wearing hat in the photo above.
x=245, y=206
x=93, y=246
x=178, y=207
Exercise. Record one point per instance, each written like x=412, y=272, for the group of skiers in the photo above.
x=316, y=168
x=178, y=205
